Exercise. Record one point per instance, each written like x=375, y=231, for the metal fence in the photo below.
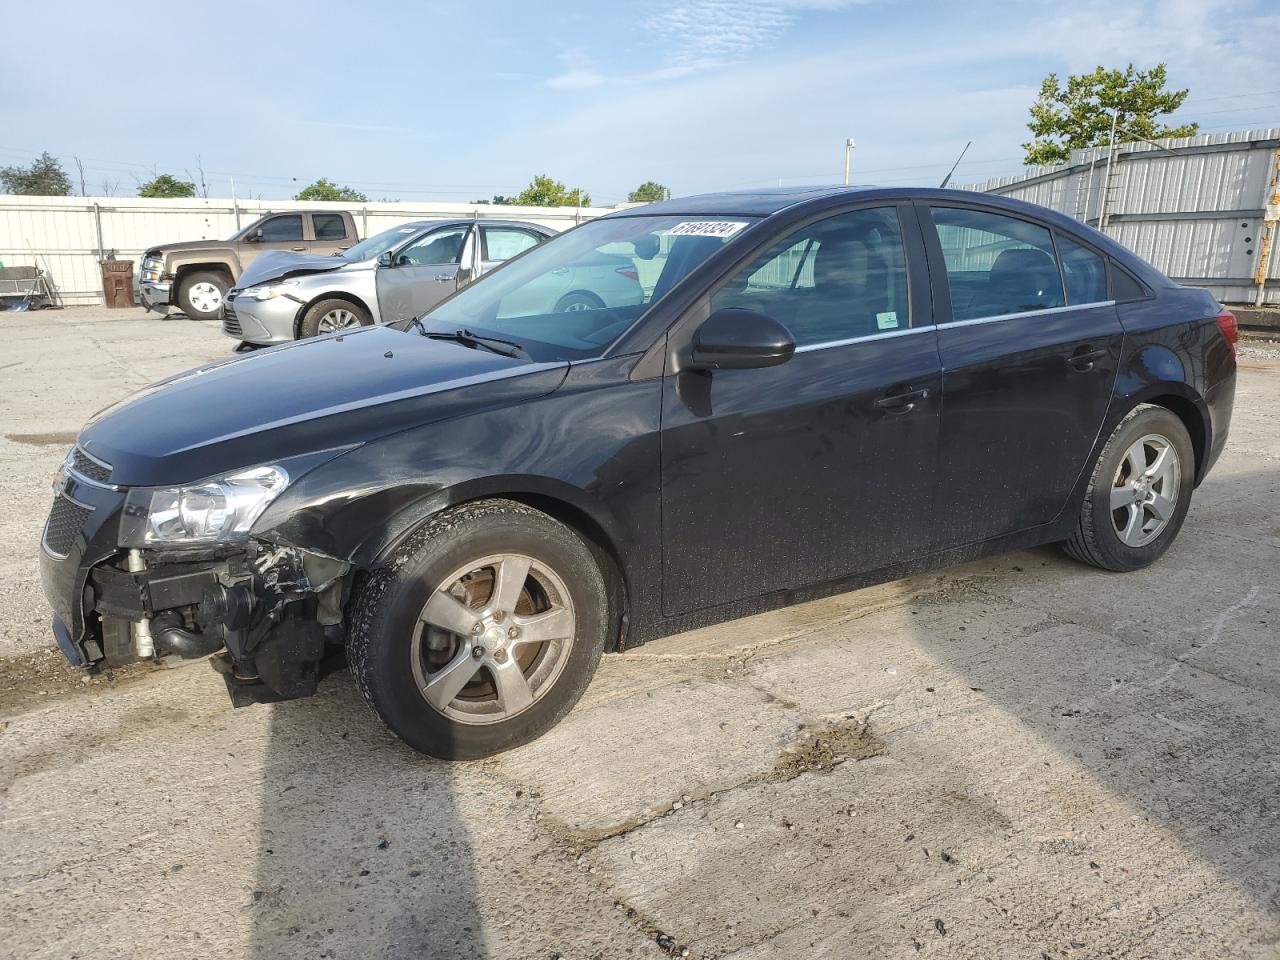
x=67, y=236
x=1204, y=210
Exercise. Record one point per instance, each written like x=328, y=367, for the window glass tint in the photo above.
x=1123, y=286
x=437, y=247
x=996, y=264
x=329, y=226
x=503, y=243
x=1086, y=272
x=281, y=229
x=836, y=279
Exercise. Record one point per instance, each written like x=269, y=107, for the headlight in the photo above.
x=211, y=512
x=268, y=290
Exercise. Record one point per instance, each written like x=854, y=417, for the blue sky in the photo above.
x=456, y=101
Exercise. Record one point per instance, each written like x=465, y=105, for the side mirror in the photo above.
x=736, y=339
x=256, y=236
x=385, y=260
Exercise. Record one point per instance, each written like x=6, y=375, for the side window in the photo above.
x=996, y=264
x=503, y=243
x=329, y=226
x=282, y=229
x=837, y=279
x=437, y=247
x=1123, y=286
x=1085, y=271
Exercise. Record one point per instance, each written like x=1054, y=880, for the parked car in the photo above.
x=195, y=276
x=821, y=389
x=404, y=272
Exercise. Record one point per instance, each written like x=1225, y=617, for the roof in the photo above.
x=755, y=203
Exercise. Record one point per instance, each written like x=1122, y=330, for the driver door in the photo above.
x=423, y=272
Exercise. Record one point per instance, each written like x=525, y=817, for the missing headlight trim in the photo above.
x=268, y=612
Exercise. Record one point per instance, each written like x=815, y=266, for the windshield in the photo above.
x=571, y=297
x=379, y=243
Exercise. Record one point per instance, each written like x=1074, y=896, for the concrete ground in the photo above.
x=1020, y=757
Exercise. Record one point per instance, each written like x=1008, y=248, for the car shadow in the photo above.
x=363, y=851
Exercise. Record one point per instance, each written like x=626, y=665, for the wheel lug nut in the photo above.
x=500, y=656
x=477, y=651
x=477, y=628
x=499, y=616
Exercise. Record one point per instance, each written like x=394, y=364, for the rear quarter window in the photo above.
x=1124, y=286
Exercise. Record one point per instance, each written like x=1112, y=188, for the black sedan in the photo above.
x=821, y=389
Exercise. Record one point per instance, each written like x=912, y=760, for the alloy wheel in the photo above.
x=1144, y=492
x=493, y=639
x=338, y=319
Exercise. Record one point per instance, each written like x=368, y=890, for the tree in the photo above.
x=165, y=185
x=44, y=178
x=545, y=192
x=1079, y=115
x=648, y=192
x=322, y=189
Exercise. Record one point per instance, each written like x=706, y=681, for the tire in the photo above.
x=390, y=645
x=330, y=316
x=197, y=300
x=1098, y=538
x=578, y=300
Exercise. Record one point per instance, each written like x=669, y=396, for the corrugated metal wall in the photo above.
x=1199, y=209
x=62, y=233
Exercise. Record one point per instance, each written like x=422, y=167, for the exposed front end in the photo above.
x=150, y=573
x=154, y=288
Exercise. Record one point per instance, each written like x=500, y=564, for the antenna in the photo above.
x=947, y=178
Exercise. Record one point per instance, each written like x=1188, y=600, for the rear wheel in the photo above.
x=1139, y=493
x=481, y=631
x=578, y=300
x=332, y=316
x=201, y=293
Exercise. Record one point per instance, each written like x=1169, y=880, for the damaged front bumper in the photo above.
x=268, y=613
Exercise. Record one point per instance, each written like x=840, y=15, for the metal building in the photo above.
x=1204, y=210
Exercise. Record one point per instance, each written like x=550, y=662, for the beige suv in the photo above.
x=195, y=276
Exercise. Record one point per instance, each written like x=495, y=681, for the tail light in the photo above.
x=631, y=273
x=1230, y=328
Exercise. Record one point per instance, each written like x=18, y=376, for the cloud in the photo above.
x=579, y=72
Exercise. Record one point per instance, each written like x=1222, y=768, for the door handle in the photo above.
x=297, y=248
x=901, y=402
x=1083, y=358
x=444, y=278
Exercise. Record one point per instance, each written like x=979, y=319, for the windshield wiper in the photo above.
x=507, y=348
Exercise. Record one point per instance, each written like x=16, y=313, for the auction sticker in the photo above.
x=706, y=228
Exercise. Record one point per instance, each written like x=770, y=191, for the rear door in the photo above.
x=329, y=233
x=1028, y=366
x=422, y=272
x=501, y=243
x=821, y=466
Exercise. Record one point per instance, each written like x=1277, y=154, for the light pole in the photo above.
x=848, y=156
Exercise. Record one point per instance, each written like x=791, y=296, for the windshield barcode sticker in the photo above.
x=706, y=228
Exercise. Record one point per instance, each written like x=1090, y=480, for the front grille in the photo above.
x=66, y=520
x=86, y=466
x=230, y=322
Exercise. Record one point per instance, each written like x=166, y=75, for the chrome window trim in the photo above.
x=871, y=336
x=1028, y=313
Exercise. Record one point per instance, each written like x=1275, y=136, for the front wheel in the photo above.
x=1139, y=492
x=332, y=316
x=481, y=631
x=201, y=294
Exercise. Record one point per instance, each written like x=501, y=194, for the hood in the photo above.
x=278, y=264
x=300, y=398
x=185, y=246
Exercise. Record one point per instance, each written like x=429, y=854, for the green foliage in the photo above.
x=497, y=198
x=545, y=192
x=165, y=185
x=648, y=192
x=323, y=189
x=44, y=178
x=1079, y=115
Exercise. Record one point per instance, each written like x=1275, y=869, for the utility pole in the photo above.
x=848, y=156
x=1111, y=156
